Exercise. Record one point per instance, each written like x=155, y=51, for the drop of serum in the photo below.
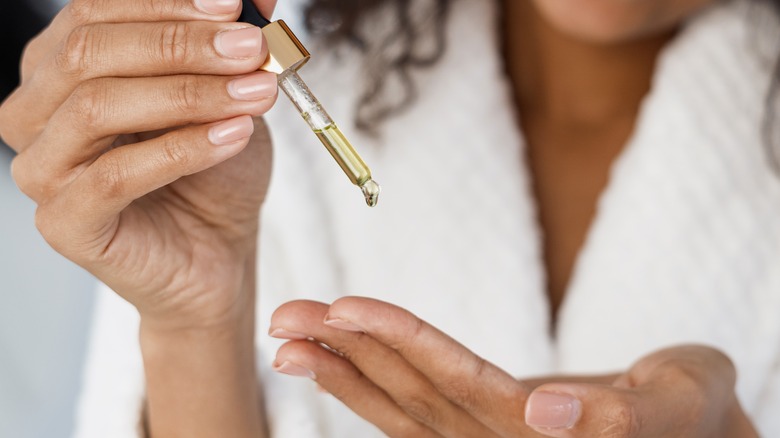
x=371, y=191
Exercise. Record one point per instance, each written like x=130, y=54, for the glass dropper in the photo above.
x=286, y=55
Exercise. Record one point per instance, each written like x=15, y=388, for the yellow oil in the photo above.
x=349, y=161
x=371, y=192
x=344, y=154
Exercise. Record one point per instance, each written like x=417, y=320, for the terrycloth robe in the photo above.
x=684, y=247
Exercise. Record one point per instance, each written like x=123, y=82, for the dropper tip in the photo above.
x=371, y=191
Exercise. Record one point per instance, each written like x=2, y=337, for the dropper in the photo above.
x=286, y=55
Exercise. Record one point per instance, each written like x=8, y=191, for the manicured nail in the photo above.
x=281, y=333
x=342, y=324
x=239, y=43
x=256, y=86
x=295, y=370
x=217, y=7
x=232, y=131
x=552, y=410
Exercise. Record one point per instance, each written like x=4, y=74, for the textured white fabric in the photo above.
x=684, y=248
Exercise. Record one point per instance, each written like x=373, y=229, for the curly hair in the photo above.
x=390, y=58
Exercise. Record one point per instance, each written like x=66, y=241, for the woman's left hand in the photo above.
x=410, y=379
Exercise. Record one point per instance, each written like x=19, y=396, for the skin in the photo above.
x=168, y=217
x=165, y=211
x=410, y=379
x=575, y=125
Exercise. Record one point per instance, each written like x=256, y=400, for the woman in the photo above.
x=682, y=247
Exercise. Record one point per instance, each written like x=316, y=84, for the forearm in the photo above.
x=203, y=382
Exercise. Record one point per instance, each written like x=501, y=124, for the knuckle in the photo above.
x=158, y=10
x=419, y=407
x=18, y=128
x=32, y=179
x=78, y=50
x=30, y=55
x=460, y=391
x=621, y=420
x=82, y=11
x=174, y=43
x=186, y=95
x=110, y=178
x=460, y=388
x=176, y=153
x=21, y=174
x=88, y=105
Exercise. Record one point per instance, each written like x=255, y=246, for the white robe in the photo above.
x=685, y=245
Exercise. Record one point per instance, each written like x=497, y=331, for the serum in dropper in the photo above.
x=286, y=55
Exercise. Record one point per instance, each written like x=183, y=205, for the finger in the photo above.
x=482, y=389
x=128, y=50
x=677, y=392
x=89, y=207
x=344, y=381
x=81, y=12
x=90, y=120
x=412, y=391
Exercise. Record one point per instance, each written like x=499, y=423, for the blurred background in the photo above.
x=45, y=301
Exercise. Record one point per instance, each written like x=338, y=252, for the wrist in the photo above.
x=226, y=304
x=201, y=380
x=192, y=330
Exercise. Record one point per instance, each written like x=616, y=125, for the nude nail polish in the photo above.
x=217, y=7
x=552, y=410
x=256, y=86
x=292, y=369
x=281, y=333
x=231, y=131
x=239, y=43
x=342, y=324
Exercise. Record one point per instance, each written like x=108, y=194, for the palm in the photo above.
x=182, y=245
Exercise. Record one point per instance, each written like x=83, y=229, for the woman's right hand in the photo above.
x=133, y=130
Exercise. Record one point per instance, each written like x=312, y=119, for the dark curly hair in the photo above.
x=415, y=40
x=396, y=56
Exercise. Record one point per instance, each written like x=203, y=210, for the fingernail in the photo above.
x=281, y=333
x=232, y=131
x=295, y=370
x=253, y=87
x=239, y=43
x=552, y=410
x=217, y=7
x=342, y=324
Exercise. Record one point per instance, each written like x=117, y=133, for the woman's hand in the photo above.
x=410, y=379
x=133, y=125
x=129, y=123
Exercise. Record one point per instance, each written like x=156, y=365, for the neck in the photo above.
x=560, y=78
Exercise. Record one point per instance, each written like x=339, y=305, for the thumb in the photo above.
x=590, y=410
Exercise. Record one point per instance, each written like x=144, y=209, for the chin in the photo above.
x=616, y=21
